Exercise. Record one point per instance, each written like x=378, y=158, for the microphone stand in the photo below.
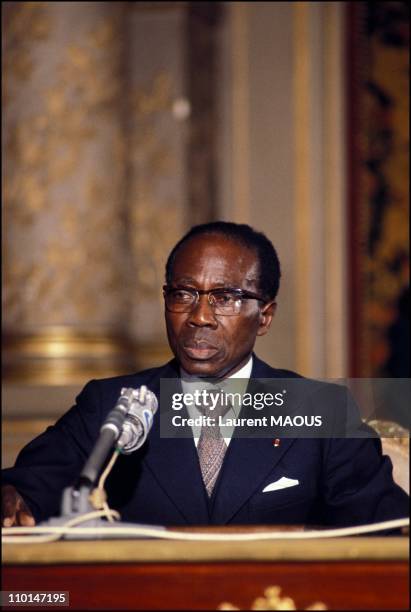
x=75, y=503
x=76, y=499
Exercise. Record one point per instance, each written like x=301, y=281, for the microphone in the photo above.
x=129, y=423
x=109, y=433
x=138, y=421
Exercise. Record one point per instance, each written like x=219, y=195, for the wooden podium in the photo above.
x=367, y=573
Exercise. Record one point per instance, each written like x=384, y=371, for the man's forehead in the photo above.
x=217, y=258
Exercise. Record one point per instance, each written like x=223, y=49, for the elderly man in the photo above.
x=221, y=283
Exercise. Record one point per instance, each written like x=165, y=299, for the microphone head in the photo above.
x=142, y=395
x=139, y=419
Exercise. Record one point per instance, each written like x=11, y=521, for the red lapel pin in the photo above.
x=276, y=442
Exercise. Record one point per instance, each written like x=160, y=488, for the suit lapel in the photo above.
x=174, y=463
x=247, y=463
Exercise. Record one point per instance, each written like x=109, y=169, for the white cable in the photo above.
x=98, y=496
x=10, y=533
x=54, y=532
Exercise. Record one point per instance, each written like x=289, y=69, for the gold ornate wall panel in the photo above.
x=96, y=188
x=64, y=202
x=64, y=211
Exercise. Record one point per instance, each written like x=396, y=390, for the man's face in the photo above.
x=206, y=344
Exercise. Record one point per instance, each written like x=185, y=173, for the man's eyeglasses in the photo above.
x=224, y=301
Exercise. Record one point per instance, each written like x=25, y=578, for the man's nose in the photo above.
x=202, y=313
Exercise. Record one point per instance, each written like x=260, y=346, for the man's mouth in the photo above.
x=199, y=349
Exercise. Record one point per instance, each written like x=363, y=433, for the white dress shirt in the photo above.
x=191, y=383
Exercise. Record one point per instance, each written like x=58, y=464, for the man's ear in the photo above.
x=266, y=316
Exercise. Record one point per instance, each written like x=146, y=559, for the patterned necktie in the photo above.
x=211, y=446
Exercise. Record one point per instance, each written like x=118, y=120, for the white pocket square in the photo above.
x=282, y=483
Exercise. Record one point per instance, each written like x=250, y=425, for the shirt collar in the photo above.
x=191, y=383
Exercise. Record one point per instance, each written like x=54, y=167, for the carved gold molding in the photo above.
x=273, y=601
x=61, y=356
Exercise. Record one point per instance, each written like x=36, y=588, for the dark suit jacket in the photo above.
x=341, y=481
